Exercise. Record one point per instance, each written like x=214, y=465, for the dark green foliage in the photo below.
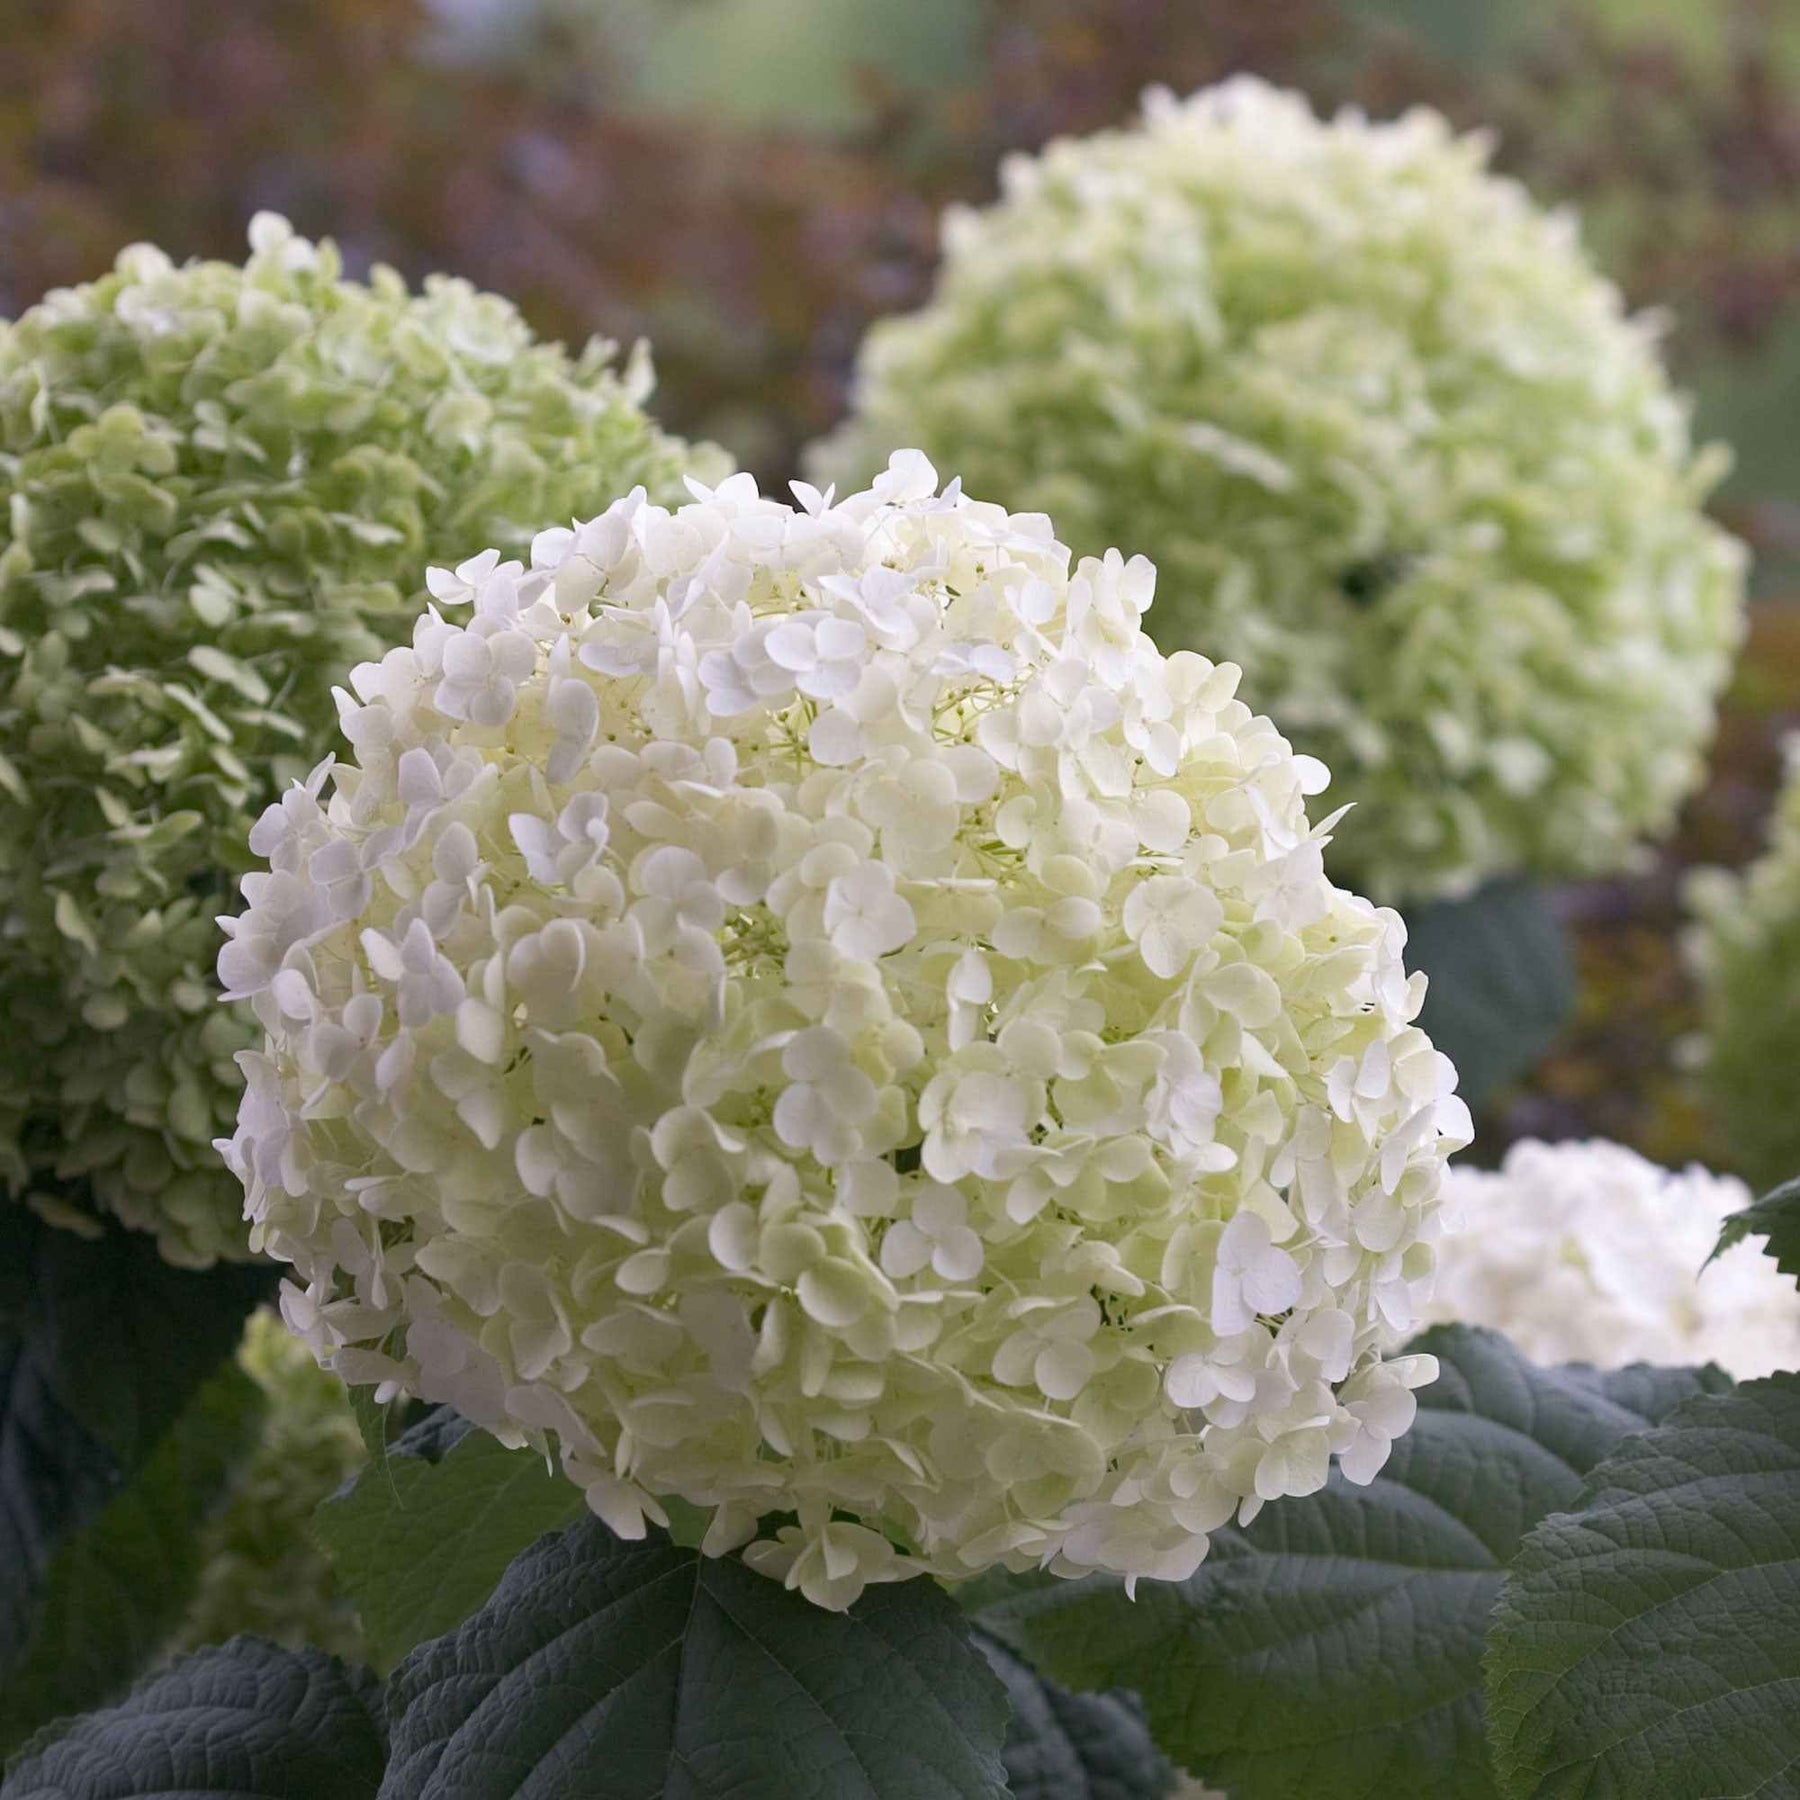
x=1332, y=1651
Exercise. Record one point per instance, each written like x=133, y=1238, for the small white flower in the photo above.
x=482, y=669
x=936, y=1234
x=976, y=1123
x=1051, y=1349
x=1254, y=1275
x=1169, y=917
x=863, y=914
x=828, y=1100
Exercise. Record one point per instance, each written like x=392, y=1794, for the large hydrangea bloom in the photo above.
x=1746, y=949
x=811, y=1012
x=218, y=487
x=1585, y=1252
x=1391, y=441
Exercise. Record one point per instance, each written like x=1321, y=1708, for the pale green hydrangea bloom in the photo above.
x=218, y=486
x=1391, y=440
x=262, y=1570
x=1745, y=946
x=808, y=1011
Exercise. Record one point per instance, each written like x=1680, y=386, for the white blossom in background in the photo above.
x=808, y=1011
x=1586, y=1252
x=1392, y=441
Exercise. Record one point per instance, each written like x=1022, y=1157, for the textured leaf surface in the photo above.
x=1647, y=1642
x=419, y=1540
x=647, y=1672
x=1502, y=981
x=1776, y=1216
x=1332, y=1651
x=116, y=1589
x=1066, y=1746
x=248, y=1720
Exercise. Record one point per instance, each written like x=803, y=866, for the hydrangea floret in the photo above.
x=1392, y=441
x=218, y=488
x=1745, y=949
x=808, y=1011
x=1587, y=1252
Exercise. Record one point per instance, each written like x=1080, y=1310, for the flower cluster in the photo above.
x=261, y=1570
x=1745, y=947
x=1585, y=1252
x=1390, y=439
x=218, y=486
x=810, y=1012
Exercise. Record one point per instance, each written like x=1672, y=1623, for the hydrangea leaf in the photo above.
x=1647, y=1639
x=1502, y=981
x=419, y=1540
x=373, y=1423
x=1367, y=1604
x=641, y=1669
x=116, y=1589
x=249, y=1720
x=1067, y=1746
x=54, y=1475
x=91, y=1378
x=99, y=1319
x=1776, y=1216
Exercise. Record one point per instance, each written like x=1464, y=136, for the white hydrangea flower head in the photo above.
x=1391, y=440
x=810, y=1012
x=1586, y=1252
x=1745, y=949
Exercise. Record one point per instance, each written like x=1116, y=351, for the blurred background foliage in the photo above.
x=748, y=182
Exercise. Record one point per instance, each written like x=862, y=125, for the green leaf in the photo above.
x=1064, y=1746
x=419, y=1542
x=372, y=1420
x=123, y=1337
x=1332, y=1651
x=1502, y=983
x=1647, y=1640
x=249, y=1720
x=640, y=1670
x=118, y=1588
x=102, y=1346
x=54, y=1475
x=1776, y=1216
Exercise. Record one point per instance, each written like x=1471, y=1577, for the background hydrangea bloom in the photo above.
x=1391, y=440
x=1746, y=950
x=220, y=485
x=262, y=1571
x=1586, y=1252
x=810, y=1012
